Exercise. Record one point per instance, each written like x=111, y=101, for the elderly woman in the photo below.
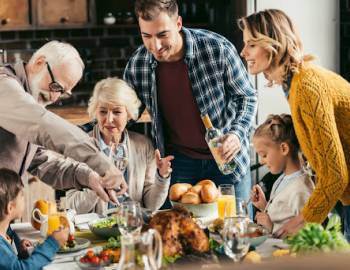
x=319, y=101
x=112, y=105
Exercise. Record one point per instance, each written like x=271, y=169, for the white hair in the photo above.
x=56, y=53
x=116, y=92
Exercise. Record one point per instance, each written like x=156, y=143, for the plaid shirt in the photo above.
x=220, y=86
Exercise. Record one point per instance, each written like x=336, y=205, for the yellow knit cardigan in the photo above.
x=320, y=105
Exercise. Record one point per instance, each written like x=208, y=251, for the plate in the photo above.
x=81, y=243
x=257, y=240
x=104, y=232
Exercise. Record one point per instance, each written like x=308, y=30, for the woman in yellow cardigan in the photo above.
x=320, y=106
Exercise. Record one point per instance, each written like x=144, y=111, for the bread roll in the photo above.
x=196, y=189
x=177, y=190
x=206, y=182
x=191, y=197
x=209, y=193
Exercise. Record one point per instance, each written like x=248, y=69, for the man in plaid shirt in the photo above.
x=181, y=74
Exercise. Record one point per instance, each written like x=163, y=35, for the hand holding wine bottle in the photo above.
x=223, y=147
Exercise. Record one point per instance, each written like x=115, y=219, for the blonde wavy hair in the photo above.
x=116, y=92
x=274, y=31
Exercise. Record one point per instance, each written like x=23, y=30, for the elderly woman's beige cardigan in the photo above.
x=144, y=183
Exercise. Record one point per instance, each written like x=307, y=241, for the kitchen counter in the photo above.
x=78, y=115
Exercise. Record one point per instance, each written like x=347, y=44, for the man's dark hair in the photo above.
x=10, y=185
x=150, y=9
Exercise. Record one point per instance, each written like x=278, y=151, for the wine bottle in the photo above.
x=213, y=137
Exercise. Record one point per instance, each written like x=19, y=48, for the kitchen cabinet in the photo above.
x=63, y=12
x=14, y=14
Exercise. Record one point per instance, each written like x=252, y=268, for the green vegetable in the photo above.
x=166, y=260
x=113, y=242
x=314, y=238
x=107, y=223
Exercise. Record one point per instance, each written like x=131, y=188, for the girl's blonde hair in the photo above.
x=116, y=92
x=274, y=31
x=279, y=128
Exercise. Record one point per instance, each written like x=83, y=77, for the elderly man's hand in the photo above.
x=230, y=146
x=112, y=180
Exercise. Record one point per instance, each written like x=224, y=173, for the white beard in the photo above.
x=40, y=95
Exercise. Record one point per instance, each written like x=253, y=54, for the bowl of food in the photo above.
x=105, y=227
x=98, y=258
x=199, y=199
x=257, y=234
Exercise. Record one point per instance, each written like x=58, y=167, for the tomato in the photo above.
x=104, y=258
x=71, y=237
x=90, y=254
x=83, y=259
x=95, y=260
x=106, y=252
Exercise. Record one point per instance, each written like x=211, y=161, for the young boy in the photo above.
x=14, y=252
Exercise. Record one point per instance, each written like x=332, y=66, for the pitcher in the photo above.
x=143, y=251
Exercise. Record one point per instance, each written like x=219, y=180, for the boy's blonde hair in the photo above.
x=116, y=92
x=274, y=31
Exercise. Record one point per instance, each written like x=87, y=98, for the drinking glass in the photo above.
x=226, y=201
x=241, y=208
x=130, y=218
x=236, y=241
x=57, y=217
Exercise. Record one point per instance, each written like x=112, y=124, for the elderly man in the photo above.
x=28, y=131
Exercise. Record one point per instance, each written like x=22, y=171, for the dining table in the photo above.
x=64, y=261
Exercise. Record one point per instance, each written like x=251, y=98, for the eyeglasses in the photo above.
x=55, y=86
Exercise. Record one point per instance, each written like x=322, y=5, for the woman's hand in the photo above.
x=291, y=227
x=163, y=164
x=264, y=219
x=258, y=198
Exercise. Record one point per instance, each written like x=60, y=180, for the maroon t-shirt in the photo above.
x=183, y=127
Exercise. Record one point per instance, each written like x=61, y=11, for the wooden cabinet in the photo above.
x=62, y=12
x=14, y=14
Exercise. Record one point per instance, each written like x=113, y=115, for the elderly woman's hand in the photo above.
x=163, y=164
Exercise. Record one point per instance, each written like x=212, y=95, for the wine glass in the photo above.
x=236, y=241
x=130, y=218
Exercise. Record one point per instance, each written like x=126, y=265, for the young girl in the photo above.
x=11, y=208
x=277, y=146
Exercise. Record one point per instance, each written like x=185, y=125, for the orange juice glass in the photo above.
x=226, y=201
x=56, y=217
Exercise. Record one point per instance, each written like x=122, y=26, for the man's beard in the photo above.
x=40, y=95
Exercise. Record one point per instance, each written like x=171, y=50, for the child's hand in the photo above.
x=24, y=247
x=61, y=236
x=263, y=218
x=25, y=244
x=163, y=164
x=258, y=197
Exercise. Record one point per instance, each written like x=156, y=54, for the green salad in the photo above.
x=314, y=238
x=107, y=222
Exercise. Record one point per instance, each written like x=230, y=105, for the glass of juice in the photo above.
x=56, y=218
x=226, y=201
